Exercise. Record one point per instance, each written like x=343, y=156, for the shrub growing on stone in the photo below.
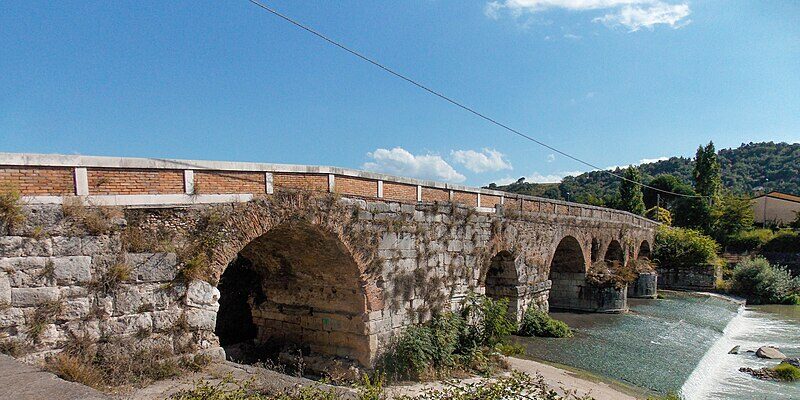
x=787, y=372
x=539, y=323
x=11, y=212
x=762, y=283
x=450, y=341
x=684, y=247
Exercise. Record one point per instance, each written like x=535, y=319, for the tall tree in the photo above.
x=630, y=191
x=707, y=173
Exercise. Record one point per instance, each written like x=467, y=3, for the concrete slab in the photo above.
x=20, y=381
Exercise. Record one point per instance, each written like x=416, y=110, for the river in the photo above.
x=679, y=344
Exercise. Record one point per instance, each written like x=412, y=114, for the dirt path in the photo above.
x=268, y=380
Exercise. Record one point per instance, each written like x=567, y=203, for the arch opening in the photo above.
x=302, y=290
x=614, y=253
x=567, y=274
x=644, y=251
x=502, y=281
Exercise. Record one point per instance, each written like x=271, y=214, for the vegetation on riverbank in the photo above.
x=539, y=323
x=516, y=385
x=761, y=283
x=465, y=341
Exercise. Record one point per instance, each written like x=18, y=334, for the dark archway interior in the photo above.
x=237, y=286
x=644, y=251
x=614, y=252
x=595, y=250
x=502, y=281
x=303, y=291
x=567, y=273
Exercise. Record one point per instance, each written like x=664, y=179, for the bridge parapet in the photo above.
x=47, y=178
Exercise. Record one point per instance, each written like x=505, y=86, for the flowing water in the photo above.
x=680, y=344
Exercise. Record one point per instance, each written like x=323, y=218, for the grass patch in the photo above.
x=539, y=323
x=44, y=315
x=787, y=372
x=96, y=220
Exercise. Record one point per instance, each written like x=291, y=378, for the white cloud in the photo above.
x=571, y=36
x=642, y=161
x=632, y=14
x=551, y=157
x=399, y=161
x=537, y=177
x=638, y=17
x=485, y=161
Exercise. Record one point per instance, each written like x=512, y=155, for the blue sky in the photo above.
x=610, y=81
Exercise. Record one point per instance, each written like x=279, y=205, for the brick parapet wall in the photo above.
x=50, y=175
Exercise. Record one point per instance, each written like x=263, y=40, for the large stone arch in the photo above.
x=502, y=281
x=315, y=286
x=567, y=273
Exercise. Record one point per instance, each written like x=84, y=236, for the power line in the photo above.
x=453, y=101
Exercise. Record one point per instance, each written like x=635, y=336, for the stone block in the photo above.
x=5, y=290
x=132, y=299
x=76, y=308
x=153, y=267
x=200, y=319
x=19, y=246
x=202, y=294
x=166, y=320
x=30, y=297
x=127, y=325
x=66, y=246
x=11, y=317
x=22, y=263
x=91, y=245
x=72, y=269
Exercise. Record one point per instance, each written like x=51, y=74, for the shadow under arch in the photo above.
x=502, y=282
x=304, y=289
x=644, y=251
x=567, y=274
x=614, y=252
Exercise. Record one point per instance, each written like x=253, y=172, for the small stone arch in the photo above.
x=567, y=274
x=644, y=251
x=614, y=252
x=502, y=281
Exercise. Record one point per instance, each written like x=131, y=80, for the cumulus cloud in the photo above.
x=488, y=160
x=631, y=14
x=537, y=177
x=399, y=161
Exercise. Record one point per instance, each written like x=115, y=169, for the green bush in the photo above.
x=750, y=240
x=762, y=283
x=539, y=323
x=450, y=341
x=784, y=241
x=659, y=214
x=787, y=372
x=684, y=247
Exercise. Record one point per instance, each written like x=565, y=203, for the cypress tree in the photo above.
x=707, y=173
x=630, y=192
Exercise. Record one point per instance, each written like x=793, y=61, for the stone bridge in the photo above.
x=191, y=255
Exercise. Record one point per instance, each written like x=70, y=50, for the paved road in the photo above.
x=20, y=381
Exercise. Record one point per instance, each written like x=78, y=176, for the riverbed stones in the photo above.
x=735, y=350
x=770, y=352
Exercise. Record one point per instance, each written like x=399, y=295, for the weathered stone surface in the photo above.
x=202, y=295
x=17, y=246
x=153, y=267
x=201, y=319
x=792, y=361
x=770, y=352
x=127, y=325
x=5, y=290
x=91, y=245
x=30, y=297
x=72, y=269
x=11, y=316
x=22, y=263
x=76, y=308
x=66, y=246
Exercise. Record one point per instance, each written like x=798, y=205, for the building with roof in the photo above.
x=776, y=208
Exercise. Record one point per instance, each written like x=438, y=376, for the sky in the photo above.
x=613, y=82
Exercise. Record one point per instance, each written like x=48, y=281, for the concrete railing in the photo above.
x=47, y=178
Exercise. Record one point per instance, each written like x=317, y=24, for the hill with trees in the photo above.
x=745, y=170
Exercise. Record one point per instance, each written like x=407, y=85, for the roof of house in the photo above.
x=782, y=196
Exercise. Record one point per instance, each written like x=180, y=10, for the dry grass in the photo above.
x=11, y=213
x=14, y=347
x=44, y=315
x=96, y=220
x=112, y=278
x=75, y=369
